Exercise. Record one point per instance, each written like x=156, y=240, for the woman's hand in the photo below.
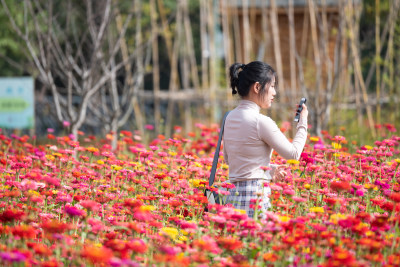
x=280, y=172
x=304, y=112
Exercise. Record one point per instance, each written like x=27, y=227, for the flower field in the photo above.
x=80, y=203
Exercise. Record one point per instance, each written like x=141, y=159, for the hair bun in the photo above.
x=234, y=71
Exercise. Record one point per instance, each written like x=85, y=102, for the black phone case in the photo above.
x=299, y=109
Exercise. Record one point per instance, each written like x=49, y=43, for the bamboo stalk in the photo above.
x=139, y=64
x=391, y=66
x=358, y=102
x=317, y=56
x=292, y=57
x=227, y=46
x=156, y=66
x=167, y=33
x=304, y=37
x=173, y=85
x=277, y=49
x=238, y=42
x=357, y=66
x=190, y=47
x=246, y=31
x=378, y=60
x=266, y=40
x=213, y=62
x=128, y=70
x=204, y=47
x=332, y=74
x=185, y=67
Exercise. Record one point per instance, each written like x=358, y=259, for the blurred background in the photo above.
x=100, y=66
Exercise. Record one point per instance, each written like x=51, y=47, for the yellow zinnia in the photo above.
x=169, y=231
x=336, y=145
x=284, y=218
x=116, y=167
x=147, y=208
x=317, y=209
x=292, y=161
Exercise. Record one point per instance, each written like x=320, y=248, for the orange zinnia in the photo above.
x=97, y=254
x=230, y=243
x=54, y=226
x=271, y=257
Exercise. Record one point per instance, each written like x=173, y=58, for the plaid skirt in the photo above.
x=246, y=193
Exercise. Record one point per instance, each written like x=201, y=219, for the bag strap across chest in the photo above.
x=216, y=155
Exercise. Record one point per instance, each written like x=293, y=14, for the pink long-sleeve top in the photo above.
x=249, y=139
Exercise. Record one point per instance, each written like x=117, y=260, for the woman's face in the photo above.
x=266, y=101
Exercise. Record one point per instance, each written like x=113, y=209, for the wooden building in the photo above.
x=299, y=38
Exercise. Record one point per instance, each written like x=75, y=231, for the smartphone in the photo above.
x=299, y=109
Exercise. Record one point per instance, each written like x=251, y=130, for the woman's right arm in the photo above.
x=270, y=133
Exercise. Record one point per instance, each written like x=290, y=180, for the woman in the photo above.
x=250, y=137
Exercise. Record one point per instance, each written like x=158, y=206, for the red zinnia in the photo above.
x=340, y=186
x=395, y=197
x=24, y=231
x=10, y=215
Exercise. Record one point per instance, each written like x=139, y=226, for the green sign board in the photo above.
x=17, y=103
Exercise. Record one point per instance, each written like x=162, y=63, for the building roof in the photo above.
x=283, y=3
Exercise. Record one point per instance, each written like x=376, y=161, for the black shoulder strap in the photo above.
x=216, y=155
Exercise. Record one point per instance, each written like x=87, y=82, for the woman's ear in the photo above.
x=256, y=87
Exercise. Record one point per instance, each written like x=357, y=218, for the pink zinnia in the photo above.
x=90, y=205
x=149, y=127
x=73, y=211
x=288, y=191
x=360, y=192
x=299, y=199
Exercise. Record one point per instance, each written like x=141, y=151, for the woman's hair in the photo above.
x=242, y=76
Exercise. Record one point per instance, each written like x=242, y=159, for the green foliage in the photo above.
x=10, y=45
x=367, y=33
